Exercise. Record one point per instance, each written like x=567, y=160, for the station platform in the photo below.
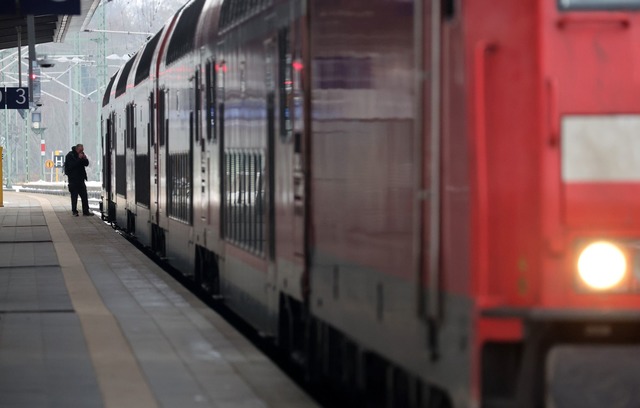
x=86, y=320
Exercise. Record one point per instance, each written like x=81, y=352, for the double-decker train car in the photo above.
x=128, y=128
x=426, y=203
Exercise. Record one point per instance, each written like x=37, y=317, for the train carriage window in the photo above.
x=121, y=175
x=132, y=135
x=142, y=179
x=211, y=85
x=130, y=126
x=243, y=79
x=143, y=172
x=151, y=102
x=243, y=202
x=134, y=141
x=144, y=66
x=599, y=4
x=207, y=96
x=224, y=14
x=107, y=92
x=221, y=72
x=166, y=131
x=179, y=186
x=114, y=136
x=121, y=158
x=162, y=113
x=235, y=11
x=198, y=96
x=124, y=77
x=183, y=36
x=192, y=133
x=127, y=137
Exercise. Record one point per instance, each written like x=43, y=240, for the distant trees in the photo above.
x=64, y=111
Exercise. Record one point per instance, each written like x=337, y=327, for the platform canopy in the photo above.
x=48, y=27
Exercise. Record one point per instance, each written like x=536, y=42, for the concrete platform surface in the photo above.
x=86, y=320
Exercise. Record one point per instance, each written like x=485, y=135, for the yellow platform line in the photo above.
x=119, y=376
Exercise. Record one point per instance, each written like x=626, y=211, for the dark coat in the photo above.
x=74, y=167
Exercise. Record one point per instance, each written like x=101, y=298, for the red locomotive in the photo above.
x=427, y=203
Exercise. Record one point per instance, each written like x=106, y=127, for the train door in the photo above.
x=153, y=207
x=203, y=151
x=121, y=163
x=163, y=129
x=209, y=138
x=151, y=146
x=297, y=62
x=271, y=69
x=292, y=161
x=130, y=154
x=159, y=175
x=113, y=142
x=221, y=70
x=107, y=146
x=120, y=150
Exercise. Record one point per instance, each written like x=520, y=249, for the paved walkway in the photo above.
x=86, y=320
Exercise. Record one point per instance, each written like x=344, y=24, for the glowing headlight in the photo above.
x=602, y=265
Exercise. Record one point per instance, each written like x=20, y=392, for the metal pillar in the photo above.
x=5, y=140
x=77, y=101
x=31, y=33
x=40, y=133
x=70, y=115
x=1, y=184
x=7, y=160
x=26, y=149
x=19, y=30
x=101, y=62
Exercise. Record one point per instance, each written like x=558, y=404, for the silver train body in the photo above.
x=270, y=150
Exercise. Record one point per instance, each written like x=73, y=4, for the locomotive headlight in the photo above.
x=602, y=265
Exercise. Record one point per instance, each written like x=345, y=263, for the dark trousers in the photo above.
x=76, y=189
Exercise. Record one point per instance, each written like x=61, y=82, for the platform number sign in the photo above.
x=14, y=98
x=59, y=7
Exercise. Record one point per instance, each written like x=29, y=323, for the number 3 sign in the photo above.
x=14, y=98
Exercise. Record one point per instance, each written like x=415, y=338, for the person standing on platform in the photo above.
x=74, y=167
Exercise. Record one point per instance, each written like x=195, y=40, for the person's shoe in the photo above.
x=75, y=213
x=87, y=213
